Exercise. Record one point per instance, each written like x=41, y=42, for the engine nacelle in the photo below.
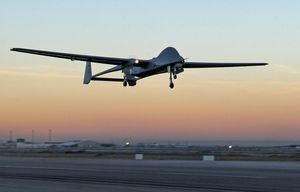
x=134, y=62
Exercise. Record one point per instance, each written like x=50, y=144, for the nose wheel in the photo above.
x=125, y=83
x=171, y=85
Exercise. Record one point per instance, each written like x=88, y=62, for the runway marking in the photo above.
x=174, y=173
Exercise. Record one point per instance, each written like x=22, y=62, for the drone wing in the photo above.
x=88, y=58
x=213, y=64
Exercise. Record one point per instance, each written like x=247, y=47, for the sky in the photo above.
x=254, y=103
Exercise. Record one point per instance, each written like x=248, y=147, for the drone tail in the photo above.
x=87, y=73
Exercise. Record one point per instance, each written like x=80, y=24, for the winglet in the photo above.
x=88, y=73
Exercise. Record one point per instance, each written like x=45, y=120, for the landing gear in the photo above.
x=175, y=76
x=171, y=85
x=124, y=83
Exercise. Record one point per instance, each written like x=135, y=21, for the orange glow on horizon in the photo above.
x=151, y=110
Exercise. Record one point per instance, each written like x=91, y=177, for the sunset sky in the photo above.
x=254, y=103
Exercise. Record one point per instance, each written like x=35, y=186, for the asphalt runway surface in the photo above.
x=73, y=174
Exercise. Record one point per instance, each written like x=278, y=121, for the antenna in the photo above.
x=32, y=135
x=10, y=139
x=50, y=135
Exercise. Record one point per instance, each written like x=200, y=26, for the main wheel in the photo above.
x=175, y=76
x=171, y=85
x=124, y=83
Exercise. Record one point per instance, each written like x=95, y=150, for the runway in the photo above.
x=67, y=174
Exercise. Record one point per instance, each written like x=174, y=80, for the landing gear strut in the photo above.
x=171, y=85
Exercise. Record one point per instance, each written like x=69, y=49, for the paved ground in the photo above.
x=62, y=174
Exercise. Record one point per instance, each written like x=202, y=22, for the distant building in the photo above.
x=21, y=140
x=68, y=144
x=80, y=144
x=27, y=145
x=21, y=143
x=89, y=144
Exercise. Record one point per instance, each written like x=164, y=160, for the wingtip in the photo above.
x=263, y=64
x=14, y=49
